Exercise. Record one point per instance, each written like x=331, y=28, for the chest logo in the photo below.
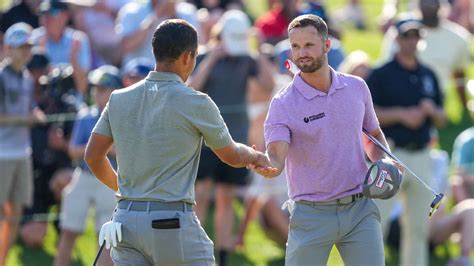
x=310, y=118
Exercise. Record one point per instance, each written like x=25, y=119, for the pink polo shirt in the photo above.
x=324, y=131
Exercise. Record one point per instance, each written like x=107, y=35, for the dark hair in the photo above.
x=172, y=38
x=310, y=20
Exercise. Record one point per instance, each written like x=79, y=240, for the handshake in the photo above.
x=261, y=164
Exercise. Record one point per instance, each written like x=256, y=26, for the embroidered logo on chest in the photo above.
x=310, y=118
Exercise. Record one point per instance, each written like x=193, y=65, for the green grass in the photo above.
x=258, y=249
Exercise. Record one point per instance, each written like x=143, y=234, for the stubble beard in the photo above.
x=315, y=66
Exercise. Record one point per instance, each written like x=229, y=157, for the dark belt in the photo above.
x=341, y=201
x=155, y=206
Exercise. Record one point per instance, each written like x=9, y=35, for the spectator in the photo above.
x=408, y=103
x=225, y=72
x=136, y=70
x=462, y=13
x=85, y=190
x=16, y=114
x=273, y=24
x=463, y=160
x=51, y=163
x=444, y=48
x=62, y=43
x=136, y=23
x=98, y=22
x=357, y=64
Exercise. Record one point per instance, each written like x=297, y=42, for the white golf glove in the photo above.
x=111, y=233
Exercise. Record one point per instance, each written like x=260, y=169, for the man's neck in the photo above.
x=407, y=61
x=319, y=80
x=431, y=22
x=17, y=67
x=170, y=68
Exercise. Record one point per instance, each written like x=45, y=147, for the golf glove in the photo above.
x=111, y=233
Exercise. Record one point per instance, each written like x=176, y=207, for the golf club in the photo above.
x=438, y=196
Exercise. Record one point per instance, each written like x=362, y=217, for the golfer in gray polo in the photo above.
x=157, y=127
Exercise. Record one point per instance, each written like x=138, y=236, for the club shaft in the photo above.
x=383, y=148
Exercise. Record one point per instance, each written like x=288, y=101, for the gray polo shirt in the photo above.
x=16, y=89
x=158, y=126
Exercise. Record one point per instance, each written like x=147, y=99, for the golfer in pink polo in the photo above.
x=315, y=126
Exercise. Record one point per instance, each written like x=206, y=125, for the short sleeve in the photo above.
x=103, y=125
x=211, y=125
x=276, y=127
x=370, y=122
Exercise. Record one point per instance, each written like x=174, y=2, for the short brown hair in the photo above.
x=310, y=20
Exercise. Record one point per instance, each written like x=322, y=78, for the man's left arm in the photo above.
x=373, y=152
x=96, y=158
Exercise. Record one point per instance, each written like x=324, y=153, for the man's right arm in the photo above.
x=239, y=155
x=276, y=154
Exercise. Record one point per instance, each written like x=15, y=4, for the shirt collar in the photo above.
x=310, y=92
x=163, y=76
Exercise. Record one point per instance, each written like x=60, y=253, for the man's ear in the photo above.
x=327, y=45
x=187, y=57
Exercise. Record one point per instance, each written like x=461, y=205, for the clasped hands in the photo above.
x=262, y=165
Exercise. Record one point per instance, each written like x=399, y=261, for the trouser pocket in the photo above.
x=167, y=241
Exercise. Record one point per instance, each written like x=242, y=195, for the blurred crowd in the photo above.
x=61, y=59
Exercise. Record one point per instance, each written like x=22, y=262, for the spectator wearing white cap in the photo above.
x=16, y=114
x=227, y=72
x=85, y=190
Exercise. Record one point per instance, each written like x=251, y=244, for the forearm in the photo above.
x=265, y=77
x=131, y=42
x=246, y=155
x=388, y=116
x=201, y=74
x=76, y=152
x=13, y=120
x=104, y=171
x=372, y=150
x=439, y=117
x=460, y=82
x=80, y=78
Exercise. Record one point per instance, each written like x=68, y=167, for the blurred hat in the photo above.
x=39, y=59
x=138, y=67
x=382, y=181
x=234, y=32
x=106, y=76
x=52, y=6
x=17, y=35
x=405, y=25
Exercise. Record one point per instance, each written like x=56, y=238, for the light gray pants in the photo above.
x=143, y=245
x=354, y=228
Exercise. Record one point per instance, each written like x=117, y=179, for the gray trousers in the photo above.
x=354, y=228
x=143, y=245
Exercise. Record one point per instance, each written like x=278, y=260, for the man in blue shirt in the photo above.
x=85, y=190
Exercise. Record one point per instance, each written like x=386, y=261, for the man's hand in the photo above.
x=110, y=232
x=262, y=165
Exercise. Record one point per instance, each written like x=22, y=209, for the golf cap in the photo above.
x=52, y=7
x=405, y=25
x=106, y=76
x=234, y=32
x=39, y=59
x=17, y=35
x=382, y=180
x=138, y=67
